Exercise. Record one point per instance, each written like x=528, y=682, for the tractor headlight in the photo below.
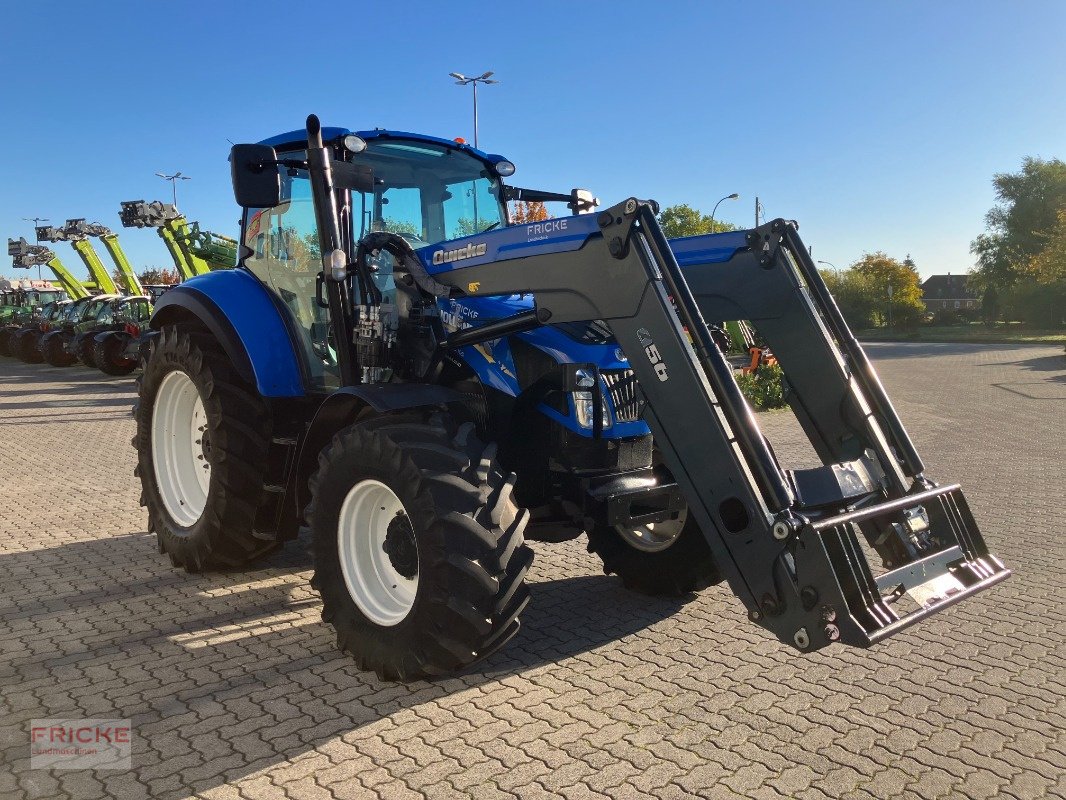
x=504, y=169
x=585, y=410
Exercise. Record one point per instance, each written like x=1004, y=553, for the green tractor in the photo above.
x=20, y=307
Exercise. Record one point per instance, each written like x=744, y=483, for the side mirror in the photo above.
x=256, y=182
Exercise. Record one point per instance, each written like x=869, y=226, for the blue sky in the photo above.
x=877, y=126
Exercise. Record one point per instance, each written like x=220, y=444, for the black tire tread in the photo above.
x=473, y=566
x=222, y=537
x=686, y=566
x=108, y=361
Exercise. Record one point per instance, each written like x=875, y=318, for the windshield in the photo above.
x=106, y=314
x=425, y=192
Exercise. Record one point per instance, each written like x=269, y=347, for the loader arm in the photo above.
x=70, y=284
x=177, y=255
x=786, y=541
x=129, y=279
x=100, y=277
x=216, y=250
x=179, y=230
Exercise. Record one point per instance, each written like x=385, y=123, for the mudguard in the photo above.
x=242, y=315
x=342, y=408
x=102, y=336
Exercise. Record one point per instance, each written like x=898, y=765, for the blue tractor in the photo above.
x=420, y=387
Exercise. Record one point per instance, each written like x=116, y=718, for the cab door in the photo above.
x=284, y=255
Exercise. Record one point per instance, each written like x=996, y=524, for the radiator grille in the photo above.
x=622, y=388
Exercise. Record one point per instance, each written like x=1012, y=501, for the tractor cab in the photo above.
x=424, y=189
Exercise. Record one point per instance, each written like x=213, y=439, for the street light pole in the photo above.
x=177, y=176
x=462, y=80
x=714, y=211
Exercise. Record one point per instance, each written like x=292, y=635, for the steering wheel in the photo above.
x=414, y=240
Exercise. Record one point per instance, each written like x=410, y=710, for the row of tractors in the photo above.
x=98, y=322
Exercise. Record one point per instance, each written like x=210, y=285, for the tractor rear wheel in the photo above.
x=108, y=357
x=55, y=353
x=27, y=348
x=418, y=546
x=664, y=558
x=202, y=441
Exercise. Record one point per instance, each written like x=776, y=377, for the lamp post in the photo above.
x=830, y=264
x=462, y=80
x=714, y=210
x=177, y=176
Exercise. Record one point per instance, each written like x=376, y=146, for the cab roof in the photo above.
x=299, y=137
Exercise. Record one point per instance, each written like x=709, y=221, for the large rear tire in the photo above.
x=27, y=347
x=418, y=546
x=55, y=353
x=202, y=441
x=671, y=558
x=108, y=357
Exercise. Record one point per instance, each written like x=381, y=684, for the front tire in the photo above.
x=5, y=342
x=202, y=441
x=108, y=357
x=55, y=353
x=85, y=352
x=657, y=562
x=418, y=546
x=27, y=348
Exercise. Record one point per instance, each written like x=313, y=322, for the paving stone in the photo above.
x=236, y=690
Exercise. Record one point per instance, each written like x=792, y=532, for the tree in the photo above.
x=154, y=276
x=522, y=212
x=1048, y=267
x=684, y=220
x=464, y=226
x=1027, y=210
x=856, y=296
x=897, y=285
x=862, y=291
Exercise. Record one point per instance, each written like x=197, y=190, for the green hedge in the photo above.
x=764, y=388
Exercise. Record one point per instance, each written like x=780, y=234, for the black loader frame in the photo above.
x=786, y=540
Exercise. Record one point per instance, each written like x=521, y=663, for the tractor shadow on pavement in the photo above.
x=249, y=640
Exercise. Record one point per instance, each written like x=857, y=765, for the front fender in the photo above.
x=345, y=405
x=105, y=335
x=242, y=316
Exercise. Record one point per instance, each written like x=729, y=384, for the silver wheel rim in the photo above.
x=653, y=537
x=182, y=470
x=384, y=595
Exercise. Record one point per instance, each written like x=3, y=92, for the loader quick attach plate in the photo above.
x=867, y=609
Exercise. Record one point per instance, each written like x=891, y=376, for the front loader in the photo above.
x=130, y=284
x=26, y=255
x=418, y=385
x=193, y=251
x=100, y=279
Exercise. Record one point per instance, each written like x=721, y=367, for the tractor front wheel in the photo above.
x=662, y=558
x=108, y=357
x=418, y=546
x=56, y=354
x=202, y=441
x=27, y=348
x=5, y=342
x=85, y=352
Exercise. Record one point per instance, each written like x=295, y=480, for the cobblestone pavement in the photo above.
x=235, y=689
